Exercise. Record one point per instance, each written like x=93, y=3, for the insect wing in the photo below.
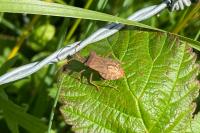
x=114, y=71
x=99, y=65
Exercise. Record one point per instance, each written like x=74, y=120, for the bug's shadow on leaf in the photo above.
x=79, y=71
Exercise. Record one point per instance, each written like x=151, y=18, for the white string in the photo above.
x=26, y=70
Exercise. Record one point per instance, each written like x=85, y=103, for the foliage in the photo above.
x=25, y=104
x=155, y=95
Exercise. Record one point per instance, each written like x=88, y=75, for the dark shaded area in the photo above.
x=79, y=71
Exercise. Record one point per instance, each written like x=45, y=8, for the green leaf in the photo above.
x=8, y=64
x=54, y=9
x=41, y=36
x=155, y=95
x=194, y=125
x=16, y=116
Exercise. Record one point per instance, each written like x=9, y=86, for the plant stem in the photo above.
x=9, y=24
x=181, y=24
x=197, y=36
x=22, y=37
x=77, y=22
x=54, y=104
x=61, y=36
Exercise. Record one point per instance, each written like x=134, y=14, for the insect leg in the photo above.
x=107, y=84
x=79, y=57
x=91, y=82
x=81, y=75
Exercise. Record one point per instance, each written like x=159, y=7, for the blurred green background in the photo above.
x=27, y=38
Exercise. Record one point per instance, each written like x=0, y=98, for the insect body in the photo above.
x=107, y=68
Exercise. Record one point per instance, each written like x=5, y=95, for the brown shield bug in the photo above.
x=108, y=69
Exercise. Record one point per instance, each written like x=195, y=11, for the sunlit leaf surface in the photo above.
x=155, y=95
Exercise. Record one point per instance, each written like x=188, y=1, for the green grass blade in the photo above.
x=54, y=9
x=19, y=116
